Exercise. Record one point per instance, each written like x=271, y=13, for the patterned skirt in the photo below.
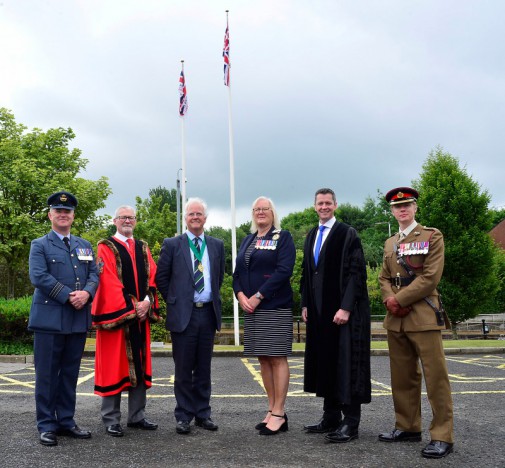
x=268, y=332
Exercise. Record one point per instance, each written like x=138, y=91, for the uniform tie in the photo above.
x=198, y=269
x=319, y=241
x=67, y=243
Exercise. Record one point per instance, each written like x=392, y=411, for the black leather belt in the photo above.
x=201, y=305
x=400, y=281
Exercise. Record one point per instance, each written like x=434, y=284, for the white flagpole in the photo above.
x=236, y=323
x=233, y=221
x=183, y=185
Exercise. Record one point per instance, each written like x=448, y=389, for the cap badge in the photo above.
x=63, y=198
x=399, y=195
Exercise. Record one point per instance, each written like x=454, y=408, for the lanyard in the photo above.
x=198, y=255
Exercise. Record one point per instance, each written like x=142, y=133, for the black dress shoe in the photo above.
x=143, y=424
x=396, y=435
x=206, y=423
x=322, y=426
x=76, y=432
x=182, y=427
x=437, y=449
x=48, y=438
x=343, y=434
x=115, y=430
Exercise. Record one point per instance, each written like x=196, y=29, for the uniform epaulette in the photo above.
x=429, y=228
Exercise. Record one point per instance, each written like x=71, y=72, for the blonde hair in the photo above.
x=276, y=224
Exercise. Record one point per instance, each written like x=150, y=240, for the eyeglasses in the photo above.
x=129, y=218
x=195, y=215
x=263, y=209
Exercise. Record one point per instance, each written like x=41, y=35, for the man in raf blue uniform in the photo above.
x=63, y=271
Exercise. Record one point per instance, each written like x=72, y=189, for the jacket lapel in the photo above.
x=185, y=252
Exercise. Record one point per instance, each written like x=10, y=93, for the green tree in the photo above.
x=155, y=221
x=168, y=197
x=225, y=235
x=497, y=215
x=454, y=203
x=33, y=165
x=299, y=224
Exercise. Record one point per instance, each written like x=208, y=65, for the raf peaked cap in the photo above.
x=62, y=200
x=401, y=195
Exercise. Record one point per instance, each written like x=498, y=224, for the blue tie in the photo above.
x=319, y=241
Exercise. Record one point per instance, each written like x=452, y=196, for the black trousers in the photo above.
x=336, y=412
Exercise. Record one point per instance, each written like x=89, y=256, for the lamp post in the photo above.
x=389, y=226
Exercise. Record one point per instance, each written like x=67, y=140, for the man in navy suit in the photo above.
x=189, y=276
x=63, y=271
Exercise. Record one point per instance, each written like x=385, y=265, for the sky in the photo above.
x=346, y=94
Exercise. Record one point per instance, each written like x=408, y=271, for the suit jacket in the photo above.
x=55, y=272
x=175, y=279
x=269, y=271
x=428, y=268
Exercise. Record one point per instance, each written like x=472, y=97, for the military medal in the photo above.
x=200, y=267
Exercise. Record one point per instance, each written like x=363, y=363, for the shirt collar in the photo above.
x=329, y=224
x=121, y=237
x=61, y=236
x=192, y=236
x=409, y=228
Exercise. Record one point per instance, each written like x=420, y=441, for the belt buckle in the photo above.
x=397, y=281
x=199, y=305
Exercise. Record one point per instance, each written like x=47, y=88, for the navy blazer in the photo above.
x=54, y=272
x=175, y=279
x=269, y=271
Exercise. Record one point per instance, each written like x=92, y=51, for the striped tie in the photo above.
x=198, y=273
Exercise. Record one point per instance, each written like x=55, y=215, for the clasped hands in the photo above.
x=78, y=299
x=248, y=304
x=142, y=309
x=393, y=306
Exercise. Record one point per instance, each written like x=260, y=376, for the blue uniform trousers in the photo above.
x=57, y=361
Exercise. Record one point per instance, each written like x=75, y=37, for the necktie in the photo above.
x=130, y=244
x=198, y=270
x=319, y=241
x=67, y=243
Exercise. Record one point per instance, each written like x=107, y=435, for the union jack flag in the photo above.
x=226, y=56
x=183, y=98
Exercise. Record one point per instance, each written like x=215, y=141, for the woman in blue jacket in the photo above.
x=261, y=284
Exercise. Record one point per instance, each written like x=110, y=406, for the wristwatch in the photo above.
x=258, y=296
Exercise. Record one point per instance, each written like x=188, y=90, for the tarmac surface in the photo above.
x=238, y=403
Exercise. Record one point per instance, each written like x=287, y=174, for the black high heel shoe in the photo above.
x=283, y=428
x=261, y=425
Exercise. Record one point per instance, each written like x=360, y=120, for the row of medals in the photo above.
x=267, y=244
x=414, y=248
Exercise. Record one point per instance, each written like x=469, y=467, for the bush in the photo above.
x=374, y=291
x=14, y=315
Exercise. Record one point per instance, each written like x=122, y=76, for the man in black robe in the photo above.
x=336, y=310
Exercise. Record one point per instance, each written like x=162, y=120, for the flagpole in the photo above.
x=236, y=323
x=183, y=136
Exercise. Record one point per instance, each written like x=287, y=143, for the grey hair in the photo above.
x=275, y=222
x=124, y=207
x=196, y=200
